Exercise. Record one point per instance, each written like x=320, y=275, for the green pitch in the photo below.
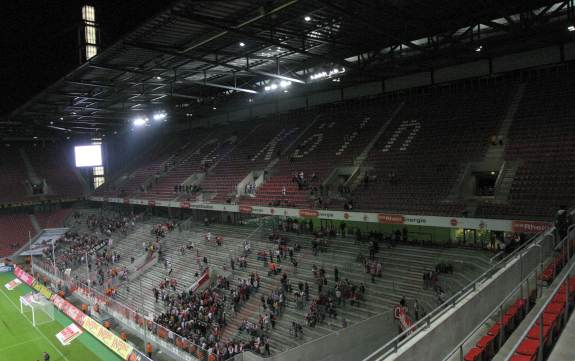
x=20, y=341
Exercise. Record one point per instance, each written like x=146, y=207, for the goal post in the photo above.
x=36, y=309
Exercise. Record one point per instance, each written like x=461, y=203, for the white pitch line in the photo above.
x=35, y=329
x=18, y=344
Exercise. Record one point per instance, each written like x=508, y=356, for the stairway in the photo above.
x=35, y=224
x=512, y=110
x=363, y=155
x=505, y=181
x=32, y=175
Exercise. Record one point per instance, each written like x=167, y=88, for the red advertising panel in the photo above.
x=390, y=218
x=25, y=277
x=529, y=227
x=69, y=310
x=308, y=213
x=246, y=209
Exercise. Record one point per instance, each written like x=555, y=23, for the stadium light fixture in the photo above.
x=327, y=74
x=571, y=28
x=61, y=118
x=160, y=116
x=214, y=108
x=307, y=18
x=479, y=48
x=242, y=44
x=140, y=121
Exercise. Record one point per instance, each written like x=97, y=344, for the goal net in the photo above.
x=36, y=309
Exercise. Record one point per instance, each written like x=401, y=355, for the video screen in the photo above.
x=88, y=155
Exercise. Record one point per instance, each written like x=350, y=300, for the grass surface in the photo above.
x=20, y=341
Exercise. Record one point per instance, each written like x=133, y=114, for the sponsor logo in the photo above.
x=454, y=222
x=68, y=334
x=201, y=206
x=13, y=284
x=326, y=215
x=246, y=209
x=29, y=280
x=529, y=227
x=411, y=220
x=185, y=204
x=6, y=269
x=390, y=218
x=308, y=213
x=42, y=290
x=108, y=338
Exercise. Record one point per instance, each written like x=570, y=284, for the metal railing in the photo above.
x=393, y=345
x=563, y=281
x=496, y=310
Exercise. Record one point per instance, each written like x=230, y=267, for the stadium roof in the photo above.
x=197, y=51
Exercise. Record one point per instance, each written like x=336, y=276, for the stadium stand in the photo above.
x=253, y=153
x=403, y=267
x=53, y=219
x=14, y=230
x=54, y=165
x=337, y=137
x=417, y=160
x=541, y=138
x=13, y=179
x=197, y=160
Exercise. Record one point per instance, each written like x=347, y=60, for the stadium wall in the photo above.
x=278, y=102
x=365, y=217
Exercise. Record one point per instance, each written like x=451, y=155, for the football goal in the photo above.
x=36, y=309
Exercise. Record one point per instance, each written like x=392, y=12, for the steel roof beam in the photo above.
x=182, y=55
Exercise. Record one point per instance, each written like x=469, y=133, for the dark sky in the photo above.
x=39, y=40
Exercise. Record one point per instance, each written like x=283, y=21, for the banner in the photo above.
x=42, y=290
x=13, y=284
x=69, y=334
x=205, y=277
x=69, y=309
x=113, y=342
x=6, y=268
x=25, y=277
x=529, y=226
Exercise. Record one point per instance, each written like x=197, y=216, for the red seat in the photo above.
x=487, y=344
x=549, y=319
x=518, y=357
x=528, y=347
x=555, y=308
x=512, y=311
x=534, y=333
x=474, y=354
x=495, y=329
